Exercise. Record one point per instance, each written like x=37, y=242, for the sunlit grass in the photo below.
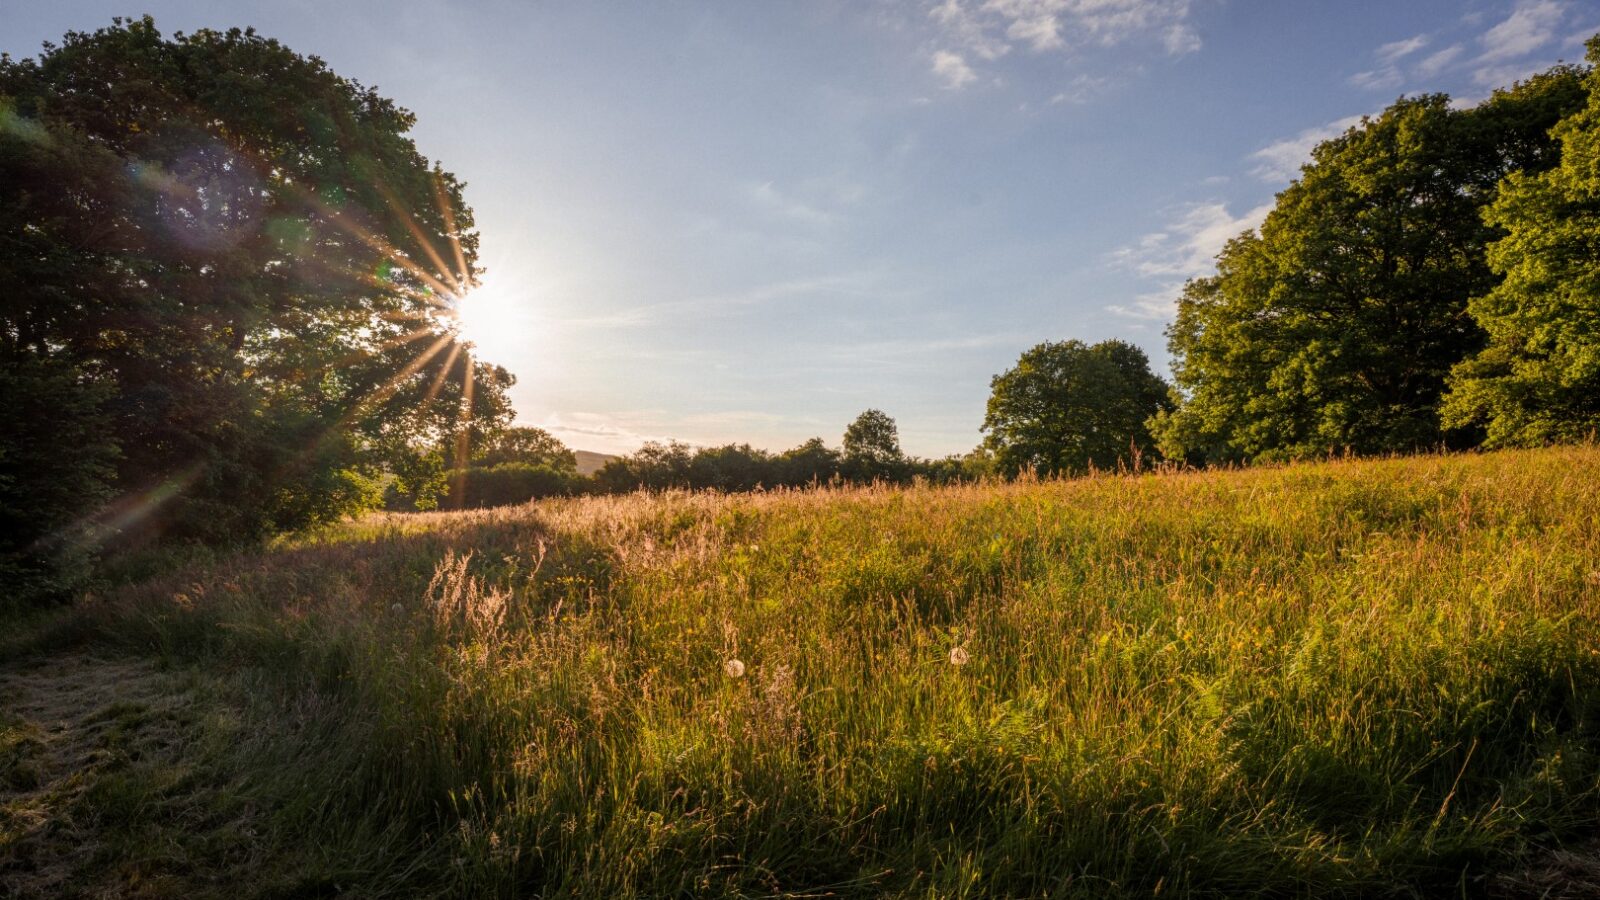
x=1354, y=676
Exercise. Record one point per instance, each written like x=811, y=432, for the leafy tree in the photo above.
x=813, y=462
x=1068, y=406
x=1538, y=378
x=55, y=462
x=872, y=447
x=525, y=445
x=1336, y=326
x=508, y=484
x=734, y=467
x=246, y=257
x=654, y=466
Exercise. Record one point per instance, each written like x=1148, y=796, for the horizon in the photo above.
x=747, y=224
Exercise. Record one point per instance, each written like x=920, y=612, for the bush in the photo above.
x=508, y=484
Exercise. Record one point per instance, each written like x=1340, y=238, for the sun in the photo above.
x=493, y=314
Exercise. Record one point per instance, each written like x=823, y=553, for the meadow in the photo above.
x=1335, y=678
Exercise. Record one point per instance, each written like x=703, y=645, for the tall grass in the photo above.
x=1343, y=677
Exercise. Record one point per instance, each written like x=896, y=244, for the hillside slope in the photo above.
x=1354, y=676
x=590, y=462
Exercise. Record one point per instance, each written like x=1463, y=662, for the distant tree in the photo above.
x=1067, y=406
x=244, y=261
x=1335, y=327
x=1538, y=378
x=508, y=484
x=872, y=447
x=734, y=467
x=813, y=462
x=654, y=466
x=526, y=445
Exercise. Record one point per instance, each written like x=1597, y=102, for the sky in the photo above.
x=750, y=221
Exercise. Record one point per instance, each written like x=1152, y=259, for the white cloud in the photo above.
x=1191, y=241
x=1531, y=25
x=1081, y=89
x=1187, y=248
x=1281, y=160
x=1041, y=32
x=953, y=69
x=1437, y=62
x=986, y=30
x=1396, y=50
x=1181, y=40
x=1377, y=79
x=773, y=201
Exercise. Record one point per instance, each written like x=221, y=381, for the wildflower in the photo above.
x=958, y=656
x=733, y=668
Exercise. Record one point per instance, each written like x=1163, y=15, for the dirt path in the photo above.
x=95, y=754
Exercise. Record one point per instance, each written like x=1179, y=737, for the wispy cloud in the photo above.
x=1281, y=160
x=769, y=199
x=1513, y=47
x=1377, y=79
x=1531, y=25
x=982, y=31
x=846, y=284
x=1082, y=89
x=953, y=68
x=1186, y=248
x=1438, y=61
x=1394, y=51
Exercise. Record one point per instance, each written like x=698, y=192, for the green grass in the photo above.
x=1355, y=677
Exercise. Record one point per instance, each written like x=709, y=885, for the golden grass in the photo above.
x=1350, y=676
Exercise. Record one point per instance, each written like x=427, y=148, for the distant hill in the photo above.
x=589, y=462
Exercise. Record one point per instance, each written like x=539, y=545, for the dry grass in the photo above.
x=1347, y=677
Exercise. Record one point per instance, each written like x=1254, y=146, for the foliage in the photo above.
x=54, y=462
x=246, y=257
x=1538, y=378
x=811, y=463
x=1066, y=407
x=872, y=448
x=739, y=467
x=526, y=445
x=1364, y=678
x=1335, y=327
x=508, y=484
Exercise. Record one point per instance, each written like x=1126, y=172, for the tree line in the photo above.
x=522, y=463
x=228, y=281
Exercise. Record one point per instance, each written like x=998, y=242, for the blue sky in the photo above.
x=750, y=221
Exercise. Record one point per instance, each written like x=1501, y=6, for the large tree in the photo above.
x=872, y=447
x=244, y=258
x=1068, y=406
x=1336, y=326
x=1538, y=378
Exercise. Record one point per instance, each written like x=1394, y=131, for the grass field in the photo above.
x=1352, y=677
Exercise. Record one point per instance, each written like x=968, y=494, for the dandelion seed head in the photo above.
x=958, y=656
x=733, y=668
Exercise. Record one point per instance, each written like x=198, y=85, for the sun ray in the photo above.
x=377, y=243
x=388, y=389
x=444, y=372
x=422, y=239
x=463, y=431
x=449, y=216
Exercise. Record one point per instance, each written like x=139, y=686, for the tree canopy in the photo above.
x=1336, y=326
x=244, y=260
x=1068, y=406
x=872, y=446
x=1538, y=378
